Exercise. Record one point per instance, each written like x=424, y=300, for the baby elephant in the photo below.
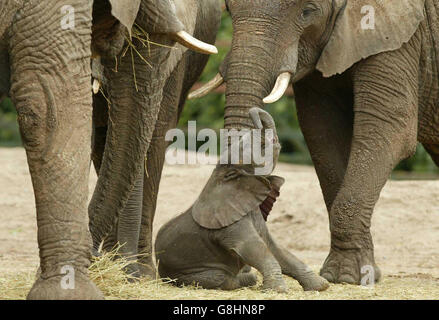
x=213, y=243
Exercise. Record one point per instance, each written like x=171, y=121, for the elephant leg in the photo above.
x=135, y=92
x=241, y=280
x=167, y=119
x=290, y=264
x=293, y=267
x=52, y=93
x=174, y=97
x=384, y=133
x=209, y=279
x=326, y=119
x=127, y=228
x=99, y=137
x=242, y=239
x=433, y=151
x=246, y=279
x=217, y=279
x=296, y=269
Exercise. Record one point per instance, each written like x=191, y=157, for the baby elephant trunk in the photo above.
x=263, y=120
x=270, y=147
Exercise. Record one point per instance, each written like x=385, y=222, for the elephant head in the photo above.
x=114, y=17
x=233, y=191
x=281, y=41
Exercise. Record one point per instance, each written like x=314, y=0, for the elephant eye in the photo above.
x=308, y=11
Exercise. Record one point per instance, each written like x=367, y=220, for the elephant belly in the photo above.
x=183, y=247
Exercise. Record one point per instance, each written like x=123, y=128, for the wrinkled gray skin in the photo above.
x=46, y=71
x=212, y=246
x=128, y=140
x=358, y=124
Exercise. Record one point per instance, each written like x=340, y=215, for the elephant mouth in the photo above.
x=267, y=205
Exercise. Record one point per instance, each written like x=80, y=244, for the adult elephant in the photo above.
x=45, y=49
x=366, y=83
x=146, y=87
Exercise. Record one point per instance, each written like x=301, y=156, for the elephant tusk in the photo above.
x=96, y=86
x=208, y=87
x=280, y=88
x=192, y=43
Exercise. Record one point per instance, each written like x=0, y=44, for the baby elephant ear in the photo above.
x=367, y=27
x=125, y=11
x=276, y=182
x=223, y=202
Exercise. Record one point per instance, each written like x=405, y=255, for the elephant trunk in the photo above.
x=264, y=121
x=250, y=76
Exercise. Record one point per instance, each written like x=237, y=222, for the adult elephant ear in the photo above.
x=161, y=17
x=125, y=11
x=367, y=27
x=224, y=201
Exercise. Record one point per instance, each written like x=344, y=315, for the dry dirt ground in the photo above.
x=405, y=229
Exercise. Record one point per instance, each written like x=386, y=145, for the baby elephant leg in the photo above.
x=243, y=239
x=246, y=279
x=291, y=266
x=295, y=268
x=208, y=279
x=217, y=279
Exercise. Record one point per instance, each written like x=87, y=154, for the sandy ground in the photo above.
x=405, y=224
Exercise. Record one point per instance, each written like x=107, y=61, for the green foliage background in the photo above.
x=209, y=112
x=9, y=134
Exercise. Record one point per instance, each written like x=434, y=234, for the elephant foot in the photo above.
x=247, y=279
x=276, y=284
x=147, y=269
x=352, y=266
x=313, y=282
x=241, y=280
x=133, y=272
x=62, y=287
